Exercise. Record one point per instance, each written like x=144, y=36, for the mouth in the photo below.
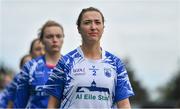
x=55, y=46
x=93, y=34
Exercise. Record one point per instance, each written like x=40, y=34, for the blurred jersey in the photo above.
x=4, y=98
x=85, y=83
x=9, y=93
x=33, y=77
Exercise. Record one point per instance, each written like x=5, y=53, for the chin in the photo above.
x=94, y=39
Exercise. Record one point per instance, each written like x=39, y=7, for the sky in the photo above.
x=145, y=31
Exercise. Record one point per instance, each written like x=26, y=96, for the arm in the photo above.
x=10, y=104
x=123, y=87
x=53, y=102
x=124, y=104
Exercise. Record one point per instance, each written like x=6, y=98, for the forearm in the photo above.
x=10, y=104
x=125, y=104
x=53, y=102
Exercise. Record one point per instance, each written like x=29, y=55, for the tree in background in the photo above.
x=141, y=94
x=171, y=92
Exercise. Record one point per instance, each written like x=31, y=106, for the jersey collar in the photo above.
x=82, y=54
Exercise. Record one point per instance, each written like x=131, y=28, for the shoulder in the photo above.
x=72, y=56
x=32, y=64
x=69, y=59
x=114, y=60
x=112, y=57
x=37, y=60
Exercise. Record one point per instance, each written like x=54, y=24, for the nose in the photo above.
x=55, y=39
x=93, y=26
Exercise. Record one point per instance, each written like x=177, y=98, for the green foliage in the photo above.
x=141, y=94
x=172, y=90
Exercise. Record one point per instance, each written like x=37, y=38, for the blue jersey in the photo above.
x=3, y=98
x=9, y=93
x=83, y=83
x=33, y=77
x=12, y=87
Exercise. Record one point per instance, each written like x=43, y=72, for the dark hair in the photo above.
x=32, y=45
x=49, y=23
x=22, y=60
x=4, y=70
x=78, y=22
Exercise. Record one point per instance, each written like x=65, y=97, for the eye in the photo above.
x=87, y=22
x=49, y=36
x=98, y=22
x=59, y=36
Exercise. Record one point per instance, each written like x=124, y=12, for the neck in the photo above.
x=92, y=51
x=52, y=58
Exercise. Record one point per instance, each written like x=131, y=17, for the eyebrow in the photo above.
x=91, y=20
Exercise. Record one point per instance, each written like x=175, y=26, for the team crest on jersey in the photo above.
x=79, y=71
x=107, y=72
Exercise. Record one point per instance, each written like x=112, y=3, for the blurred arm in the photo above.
x=53, y=102
x=10, y=104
